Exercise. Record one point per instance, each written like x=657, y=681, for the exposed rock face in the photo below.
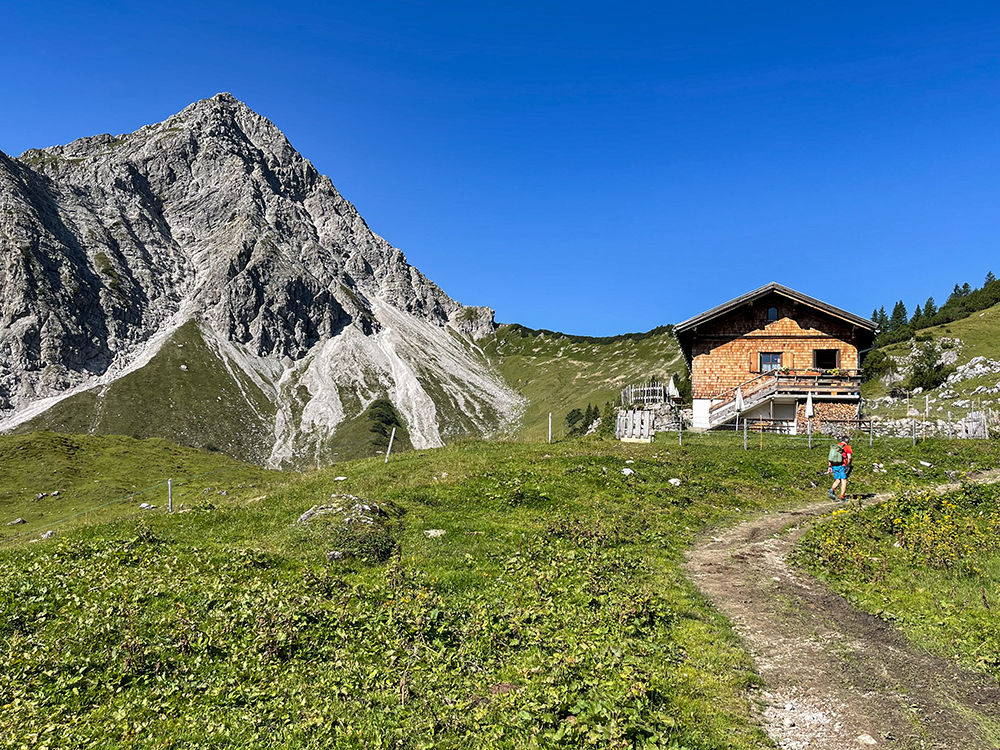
x=108, y=242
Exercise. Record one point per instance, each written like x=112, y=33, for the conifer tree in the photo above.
x=990, y=278
x=899, y=317
x=930, y=308
x=883, y=320
x=608, y=420
x=917, y=315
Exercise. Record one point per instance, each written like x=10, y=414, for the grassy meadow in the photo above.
x=206, y=404
x=66, y=481
x=552, y=612
x=928, y=563
x=978, y=334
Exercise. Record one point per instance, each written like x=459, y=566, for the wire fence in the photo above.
x=973, y=425
x=977, y=425
x=755, y=432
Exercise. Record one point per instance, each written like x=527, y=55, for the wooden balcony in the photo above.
x=844, y=385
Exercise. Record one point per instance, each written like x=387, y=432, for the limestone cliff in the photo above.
x=109, y=244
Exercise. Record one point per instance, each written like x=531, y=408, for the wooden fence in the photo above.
x=635, y=426
x=648, y=393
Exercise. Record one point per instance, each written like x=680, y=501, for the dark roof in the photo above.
x=804, y=299
x=685, y=330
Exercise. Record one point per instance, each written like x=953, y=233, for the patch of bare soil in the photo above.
x=835, y=678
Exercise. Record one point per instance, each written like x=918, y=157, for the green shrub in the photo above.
x=374, y=543
x=608, y=419
x=928, y=370
x=876, y=365
x=925, y=561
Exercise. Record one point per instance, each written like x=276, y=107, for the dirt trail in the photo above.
x=836, y=678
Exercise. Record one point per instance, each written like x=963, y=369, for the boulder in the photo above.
x=354, y=527
x=350, y=509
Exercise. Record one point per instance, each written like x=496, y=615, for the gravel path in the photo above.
x=836, y=678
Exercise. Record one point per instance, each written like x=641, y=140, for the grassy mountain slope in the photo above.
x=558, y=373
x=552, y=612
x=205, y=404
x=975, y=336
x=201, y=390
x=979, y=333
x=186, y=393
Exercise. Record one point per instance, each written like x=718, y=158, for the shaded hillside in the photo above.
x=187, y=393
x=368, y=435
x=557, y=372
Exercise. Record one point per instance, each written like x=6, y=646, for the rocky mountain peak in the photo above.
x=209, y=215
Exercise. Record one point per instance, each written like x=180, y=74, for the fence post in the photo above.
x=391, y=438
x=927, y=413
x=744, y=434
x=914, y=432
x=871, y=432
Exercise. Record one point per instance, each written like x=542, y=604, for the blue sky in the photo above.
x=590, y=167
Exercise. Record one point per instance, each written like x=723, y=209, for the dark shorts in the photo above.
x=840, y=472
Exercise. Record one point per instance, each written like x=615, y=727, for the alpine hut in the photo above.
x=761, y=355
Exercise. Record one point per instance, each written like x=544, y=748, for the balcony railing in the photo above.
x=844, y=384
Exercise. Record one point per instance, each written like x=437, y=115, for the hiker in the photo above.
x=840, y=466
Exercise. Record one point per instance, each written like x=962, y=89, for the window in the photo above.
x=770, y=361
x=772, y=314
x=826, y=359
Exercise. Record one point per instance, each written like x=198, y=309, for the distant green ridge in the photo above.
x=557, y=372
x=525, y=332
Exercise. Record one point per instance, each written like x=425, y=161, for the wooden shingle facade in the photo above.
x=775, y=346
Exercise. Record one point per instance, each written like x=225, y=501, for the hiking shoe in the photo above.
x=832, y=496
x=843, y=499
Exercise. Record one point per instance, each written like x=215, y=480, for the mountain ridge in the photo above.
x=112, y=243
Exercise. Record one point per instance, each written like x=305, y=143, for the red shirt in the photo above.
x=845, y=449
